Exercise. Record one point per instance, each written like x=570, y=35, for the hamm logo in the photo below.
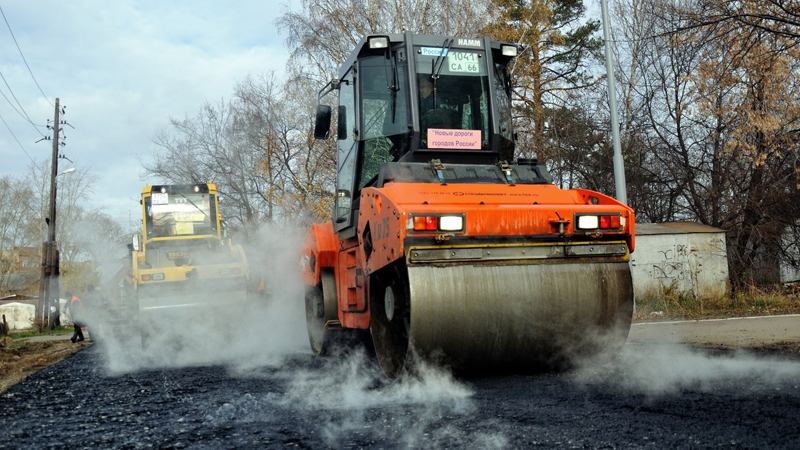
x=470, y=42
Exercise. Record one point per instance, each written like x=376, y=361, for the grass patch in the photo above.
x=34, y=332
x=667, y=303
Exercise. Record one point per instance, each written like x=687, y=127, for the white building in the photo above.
x=789, y=274
x=683, y=258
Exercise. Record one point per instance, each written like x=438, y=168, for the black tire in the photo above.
x=390, y=318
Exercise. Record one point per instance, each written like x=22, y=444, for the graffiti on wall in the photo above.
x=673, y=265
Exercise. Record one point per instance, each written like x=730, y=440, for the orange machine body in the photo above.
x=495, y=216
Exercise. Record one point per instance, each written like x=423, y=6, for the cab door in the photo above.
x=347, y=133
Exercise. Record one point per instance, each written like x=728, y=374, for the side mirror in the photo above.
x=322, y=124
x=136, y=242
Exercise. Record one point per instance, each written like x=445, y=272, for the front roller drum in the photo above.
x=321, y=312
x=501, y=317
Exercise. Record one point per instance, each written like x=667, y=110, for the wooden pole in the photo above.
x=46, y=290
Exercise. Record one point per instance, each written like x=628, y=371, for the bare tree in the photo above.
x=81, y=233
x=300, y=170
x=780, y=18
x=16, y=212
x=721, y=139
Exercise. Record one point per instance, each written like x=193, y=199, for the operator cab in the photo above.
x=450, y=99
x=407, y=102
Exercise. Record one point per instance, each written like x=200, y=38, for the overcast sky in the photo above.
x=122, y=68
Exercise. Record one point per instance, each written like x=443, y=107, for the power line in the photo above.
x=23, y=57
x=15, y=138
x=23, y=114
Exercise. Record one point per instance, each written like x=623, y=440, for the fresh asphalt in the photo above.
x=657, y=393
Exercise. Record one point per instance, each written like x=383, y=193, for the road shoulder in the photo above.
x=762, y=332
x=27, y=357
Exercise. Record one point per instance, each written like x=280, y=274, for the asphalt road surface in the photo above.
x=658, y=393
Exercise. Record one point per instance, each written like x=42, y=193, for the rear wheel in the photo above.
x=321, y=312
x=390, y=318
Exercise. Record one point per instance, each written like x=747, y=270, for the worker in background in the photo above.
x=75, y=310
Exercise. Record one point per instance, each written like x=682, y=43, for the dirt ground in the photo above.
x=22, y=357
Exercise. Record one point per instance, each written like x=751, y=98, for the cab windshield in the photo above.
x=178, y=214
x=384, y=102
x=453, y=98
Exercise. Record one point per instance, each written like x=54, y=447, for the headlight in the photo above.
x=610, y=221
x=378, y=42
x=588, y=222
x=509, y=50
x=451, y=223
x=437, y=222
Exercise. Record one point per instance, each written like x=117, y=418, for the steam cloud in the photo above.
x=348, y=393
x=415, y=411
x=260, y=335
x=667, y=369
x=349, y=396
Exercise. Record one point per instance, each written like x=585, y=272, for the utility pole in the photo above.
x=619, y=163
x=48, y=286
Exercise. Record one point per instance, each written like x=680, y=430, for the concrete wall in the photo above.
x=788, y=273
x=19, y=316
x=23, y=314
x=682, y=258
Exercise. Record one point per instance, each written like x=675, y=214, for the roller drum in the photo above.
x=517, y=317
